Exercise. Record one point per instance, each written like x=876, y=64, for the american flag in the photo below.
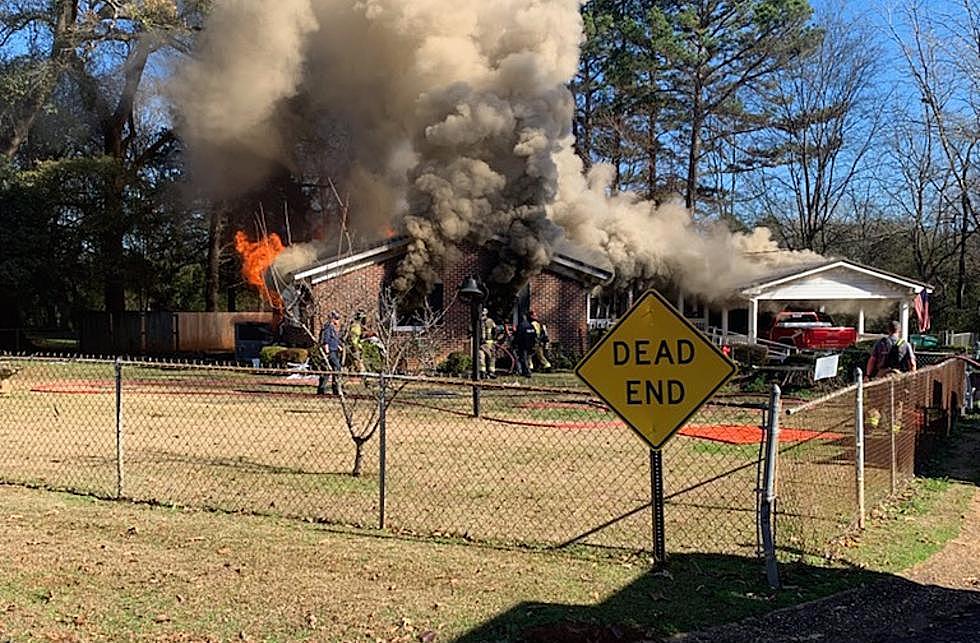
x=921, y=304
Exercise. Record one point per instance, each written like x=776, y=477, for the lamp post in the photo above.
x=471, y=292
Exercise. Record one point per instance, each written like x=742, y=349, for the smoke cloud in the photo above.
x=449, y=120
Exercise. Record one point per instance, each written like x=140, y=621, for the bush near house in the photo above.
x=281, y=356
x=456, y=363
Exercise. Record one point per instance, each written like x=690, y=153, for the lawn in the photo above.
x=79, y=568
x=540, y=467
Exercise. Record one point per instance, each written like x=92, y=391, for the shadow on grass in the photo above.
x=694, y=591
x=958, y=459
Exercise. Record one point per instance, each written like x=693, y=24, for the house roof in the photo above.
x=785, y=275
x=567, y=261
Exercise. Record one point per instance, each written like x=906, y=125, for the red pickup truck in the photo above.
x=810, y=330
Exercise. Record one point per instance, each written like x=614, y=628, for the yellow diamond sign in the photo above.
x=655, y=369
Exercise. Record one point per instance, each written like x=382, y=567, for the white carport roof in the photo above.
x=837, y=279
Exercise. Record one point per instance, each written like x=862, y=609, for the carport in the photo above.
x=838, y=280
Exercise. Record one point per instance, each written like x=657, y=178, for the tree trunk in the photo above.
x=115, y=144
x=358, y=457
x=961, y=267
x=213, y=272
x=651, y=179
x=694, y=151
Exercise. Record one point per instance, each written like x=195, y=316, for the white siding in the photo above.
x=839, y=283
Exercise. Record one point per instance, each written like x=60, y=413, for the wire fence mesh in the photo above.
x=904, y=416
x=539, y=466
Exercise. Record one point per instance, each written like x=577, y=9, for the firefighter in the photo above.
x=355, y=342
x=540, y=344
x=488, y=337
x=524, y=341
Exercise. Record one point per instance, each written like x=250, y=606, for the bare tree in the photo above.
x=825, y=118
x=393, y=354
x=942, y=55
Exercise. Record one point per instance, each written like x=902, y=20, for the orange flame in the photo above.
x=257, y=256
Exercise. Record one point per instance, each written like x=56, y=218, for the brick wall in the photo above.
x=560, y=302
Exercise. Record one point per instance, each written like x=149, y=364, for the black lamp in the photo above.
x=471, y=292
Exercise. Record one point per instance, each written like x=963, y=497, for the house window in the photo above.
x=416, y=318
x=607, y=306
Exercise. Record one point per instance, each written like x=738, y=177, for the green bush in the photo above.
x=280, y=356
x=456, y=363
x=561, y=358
x=373, y=361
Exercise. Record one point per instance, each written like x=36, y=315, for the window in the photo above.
x=606, y=306
x=416, y=319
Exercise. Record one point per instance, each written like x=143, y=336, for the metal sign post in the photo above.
x=657, y=507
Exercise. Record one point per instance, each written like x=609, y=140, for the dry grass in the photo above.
x=81, y=569
x=538, y=468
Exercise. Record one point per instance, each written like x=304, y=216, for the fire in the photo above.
x=257, y=256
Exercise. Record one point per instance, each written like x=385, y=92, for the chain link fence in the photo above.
x=538, y=466
x=821, y=490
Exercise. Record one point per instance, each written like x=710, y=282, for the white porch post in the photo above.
x=861, y=322
x=904, y=318
x=753, y=320
x=724, y=322
x=680, y=302
x=707, y=318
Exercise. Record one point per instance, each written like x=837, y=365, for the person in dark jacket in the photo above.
x=891, y=354
x=524, y=341
x=332, y=347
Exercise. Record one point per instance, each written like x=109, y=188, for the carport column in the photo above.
x=724, y=322
x=904, y=317
x=680, y=302
x=753, y=320
x=860, y=322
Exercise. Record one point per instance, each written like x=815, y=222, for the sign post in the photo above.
x=655, y=370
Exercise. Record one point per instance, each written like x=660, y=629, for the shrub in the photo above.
x=372, y=357
x=561, y=358
x=456, y=363
x=281, y=356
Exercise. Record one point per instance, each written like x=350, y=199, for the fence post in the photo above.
x=119, y=429
x=891, y=434
x=859, y=444
x=383, y=439
x=767, y=506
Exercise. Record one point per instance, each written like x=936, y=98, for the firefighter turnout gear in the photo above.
x=355, y=343
x=488, y=331
x=540, y=361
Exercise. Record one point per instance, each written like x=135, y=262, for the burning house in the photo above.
x=559, y=293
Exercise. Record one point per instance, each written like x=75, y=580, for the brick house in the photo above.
x=559, y=295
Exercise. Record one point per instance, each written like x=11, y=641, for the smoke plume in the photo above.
x=449, y=119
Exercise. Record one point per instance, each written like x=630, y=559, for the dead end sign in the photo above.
x=655, y=369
